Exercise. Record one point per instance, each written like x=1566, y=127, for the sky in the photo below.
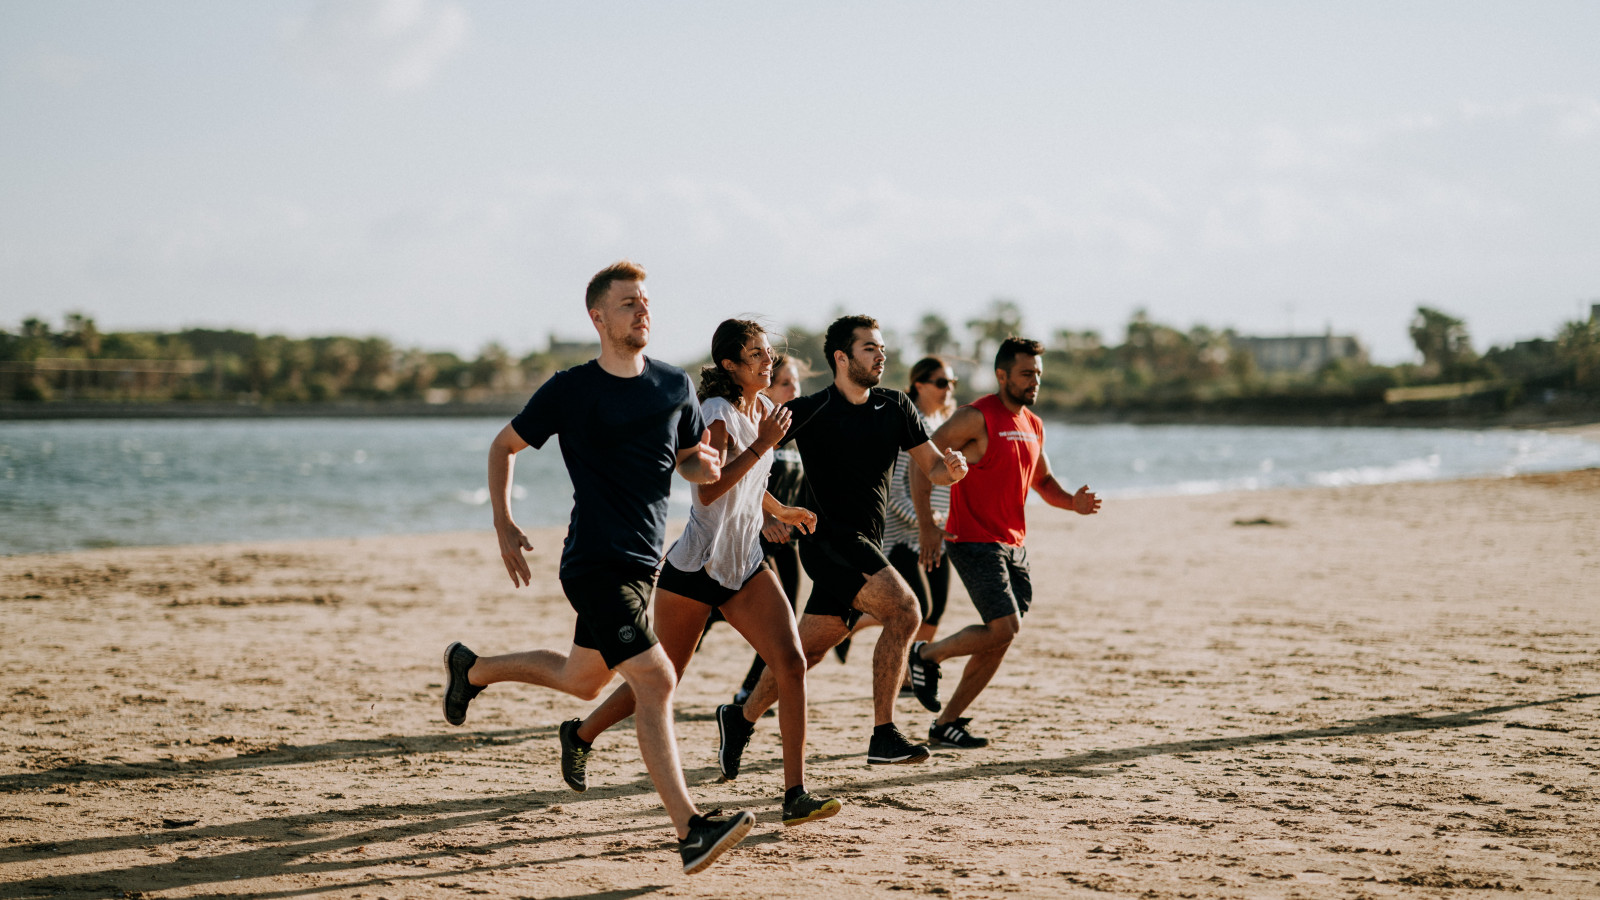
x=446, y=174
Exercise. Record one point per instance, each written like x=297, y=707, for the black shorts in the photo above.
x=698, y=586
x=996, y=576
x=611, y=611
x=838, y=570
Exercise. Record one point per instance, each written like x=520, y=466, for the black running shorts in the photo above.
x=611, y=611
x=996, y=577
x=838, y=570
x=698, y=586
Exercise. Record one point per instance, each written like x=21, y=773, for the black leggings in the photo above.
x=784, y=560
x=932, y=588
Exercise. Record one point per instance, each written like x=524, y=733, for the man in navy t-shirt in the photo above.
x=624, y=422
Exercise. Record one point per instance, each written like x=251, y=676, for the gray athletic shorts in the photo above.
x=996, y=576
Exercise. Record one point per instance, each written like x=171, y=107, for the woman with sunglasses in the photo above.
x=933, y=390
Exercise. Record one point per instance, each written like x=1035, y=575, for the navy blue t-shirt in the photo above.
x=620, y=439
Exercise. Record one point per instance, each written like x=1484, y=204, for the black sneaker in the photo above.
x=955, y=734
x=806, y=808
x=734, y=733
x=889, y=747
x=710, y=837
x=924, y=678
x=458, y=691
x=574, y=756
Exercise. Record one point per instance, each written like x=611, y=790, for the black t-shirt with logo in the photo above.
x=620, y=439
x=849, y=451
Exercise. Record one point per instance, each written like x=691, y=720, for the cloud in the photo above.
x=396, y=45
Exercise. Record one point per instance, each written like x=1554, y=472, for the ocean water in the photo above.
x=73, y=485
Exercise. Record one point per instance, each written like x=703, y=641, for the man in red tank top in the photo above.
x=1003, y=442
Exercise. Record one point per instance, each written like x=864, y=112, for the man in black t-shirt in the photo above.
x=624, y=422
x=849, y=435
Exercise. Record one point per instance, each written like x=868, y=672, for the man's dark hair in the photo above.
x=601, y=282
x=1013, y=347
x=842, y=334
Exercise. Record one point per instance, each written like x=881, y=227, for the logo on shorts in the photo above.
x=626, y=634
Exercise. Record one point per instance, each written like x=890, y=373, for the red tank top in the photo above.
x=986, y=506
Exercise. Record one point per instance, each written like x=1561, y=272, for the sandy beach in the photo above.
x=1360, y=692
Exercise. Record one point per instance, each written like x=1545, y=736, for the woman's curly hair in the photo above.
x=727, y=342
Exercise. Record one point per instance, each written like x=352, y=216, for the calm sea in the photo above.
x=72, y=485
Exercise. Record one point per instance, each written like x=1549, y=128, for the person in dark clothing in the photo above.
x=625, y=422
x=849, y=435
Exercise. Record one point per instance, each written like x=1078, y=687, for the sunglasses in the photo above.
x=942, y=383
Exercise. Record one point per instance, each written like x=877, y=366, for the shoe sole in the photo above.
x=825, y=811
x=449, y=682
x=728, y=841
x=903, y=760
x=946, y=745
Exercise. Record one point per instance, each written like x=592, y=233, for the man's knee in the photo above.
x=1006, y=629
x=651, y=676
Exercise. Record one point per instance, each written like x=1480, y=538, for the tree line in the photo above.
x=1156, y=367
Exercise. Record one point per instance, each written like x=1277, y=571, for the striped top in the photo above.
x=900, y=519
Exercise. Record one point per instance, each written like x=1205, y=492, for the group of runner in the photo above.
x=626, y=422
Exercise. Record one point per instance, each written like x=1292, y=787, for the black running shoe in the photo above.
x=842, y=650
x=889, y=747
x=574, y=756
x=806, y=808
x=710, y=837
x=924, y=678
x=734, y=734
x=954, y=734
x=458, y=691
x=740, y=696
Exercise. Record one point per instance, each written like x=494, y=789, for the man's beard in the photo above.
x=861, y=375
x=1020, y=398
x=628, y=342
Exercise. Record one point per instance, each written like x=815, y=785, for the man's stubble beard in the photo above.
x=861, y=376
x=1019, y=399
x=628, y=342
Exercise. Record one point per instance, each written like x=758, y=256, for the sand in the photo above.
x=1362, y=692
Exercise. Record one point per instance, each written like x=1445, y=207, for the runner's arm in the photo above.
x=769, y=432
x=702, y=463
x=957, y=434
x=1084, y=502
x=502, y=461
x=795, y=516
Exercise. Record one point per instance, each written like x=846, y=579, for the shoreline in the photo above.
x=675, y=525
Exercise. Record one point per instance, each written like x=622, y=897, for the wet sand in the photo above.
x=1364, y=692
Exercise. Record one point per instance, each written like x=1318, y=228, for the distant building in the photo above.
x=1300, y=354
x=1594, y=312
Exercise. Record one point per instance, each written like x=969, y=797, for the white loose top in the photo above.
x=724, y=537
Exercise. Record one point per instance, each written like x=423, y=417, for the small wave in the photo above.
x=1418, y=469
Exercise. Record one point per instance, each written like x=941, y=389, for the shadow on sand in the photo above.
x=279, y=858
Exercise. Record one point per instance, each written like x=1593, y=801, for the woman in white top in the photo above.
x=718, y=564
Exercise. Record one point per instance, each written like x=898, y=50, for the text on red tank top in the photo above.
x=987, y=505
